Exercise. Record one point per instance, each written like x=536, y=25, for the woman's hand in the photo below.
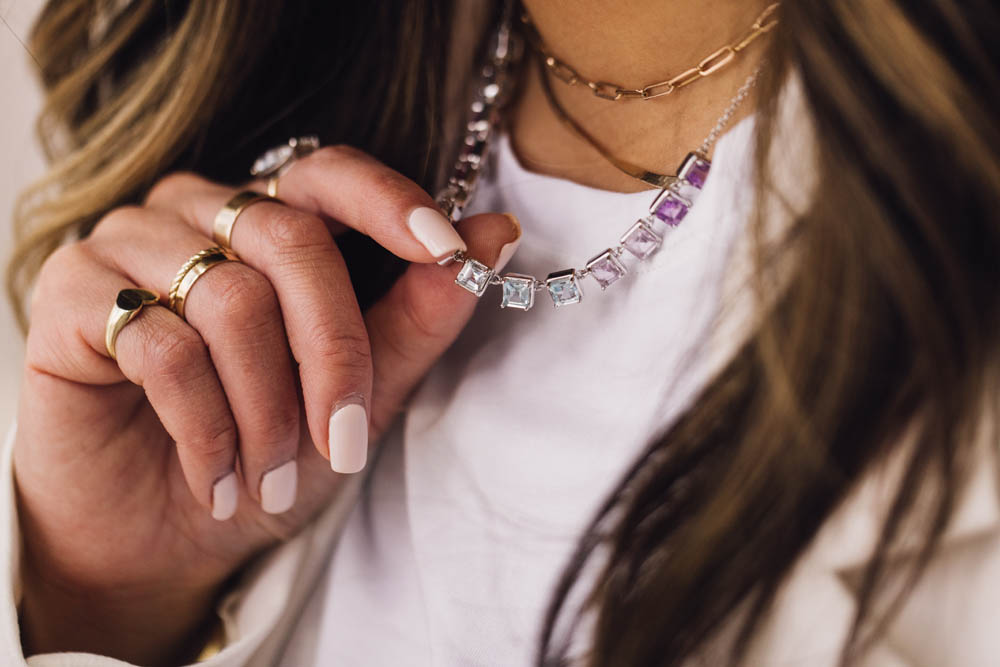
x=120, y=467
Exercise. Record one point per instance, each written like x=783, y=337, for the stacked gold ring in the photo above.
x=128, y=303
x=225, y=219
x=193, y=269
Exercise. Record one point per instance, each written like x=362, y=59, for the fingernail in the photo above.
x=349, y=438
x=506, y=253
x=225, y=495
x=434, y=232
x=508, y=250
x=277, y=488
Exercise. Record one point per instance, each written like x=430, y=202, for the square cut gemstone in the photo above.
x=518, y=291
x=606, y=268
x=694, y=169
x=670, y=208
x=564, y=288
x=640, y=240
x=474, y=276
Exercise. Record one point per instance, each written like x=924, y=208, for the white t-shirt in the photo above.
x=525, y=425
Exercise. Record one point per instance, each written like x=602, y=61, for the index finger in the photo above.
x=353, y=188
x=346, y=186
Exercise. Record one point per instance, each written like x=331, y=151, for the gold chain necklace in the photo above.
x=635, y=171
x=708, y=65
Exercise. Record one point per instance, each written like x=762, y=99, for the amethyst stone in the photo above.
x=671, y=209
x=606, y=268
x=694, y=170
x=640, y=240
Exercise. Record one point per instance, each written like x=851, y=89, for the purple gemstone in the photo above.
x=671, y=209
x=606, y=269
x=694, y=170
x=640, y=240
x=698, y=173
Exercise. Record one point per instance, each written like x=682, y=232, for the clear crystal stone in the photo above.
x=518, y=291
x=564, y=288
x=606, y=268
x=271, y=160
x=474, y=276
x=640, y=240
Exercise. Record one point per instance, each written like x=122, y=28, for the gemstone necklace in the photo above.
x=641, y=240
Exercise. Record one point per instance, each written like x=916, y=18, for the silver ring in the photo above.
x=275, y=162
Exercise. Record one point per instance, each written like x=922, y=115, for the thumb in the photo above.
x=423, y=313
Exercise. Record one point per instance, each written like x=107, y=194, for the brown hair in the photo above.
x=156, y=86
x=889, y=322
x=888, y=327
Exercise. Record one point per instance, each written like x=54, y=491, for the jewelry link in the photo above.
x=717, y=60
x=562, y=71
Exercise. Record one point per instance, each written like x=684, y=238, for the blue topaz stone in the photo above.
x=474, y=276
x=518, y=291
x=641, y=240
x=564, y=288
x=606, y=268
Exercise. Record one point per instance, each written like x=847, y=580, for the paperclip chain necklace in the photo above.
x=641, y=240
x=708, y=65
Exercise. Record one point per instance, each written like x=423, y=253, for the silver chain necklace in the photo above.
x=642, y=239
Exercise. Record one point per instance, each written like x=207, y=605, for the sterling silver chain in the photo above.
x=642, y=239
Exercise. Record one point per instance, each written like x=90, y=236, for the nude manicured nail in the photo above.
x=277, y=488
x=508, y=250
x=349, y=438
x=506, y=253
x=225, y=497
x=434, y=232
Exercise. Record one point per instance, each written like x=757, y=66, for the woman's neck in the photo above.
x=630, y=43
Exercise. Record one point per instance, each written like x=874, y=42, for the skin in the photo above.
x=630, y=43
x=125, y=559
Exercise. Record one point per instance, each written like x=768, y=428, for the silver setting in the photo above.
x=274, y=161
x=474, y=276
x=691, y=162
x=518, y=291
x=685, y=191
x=564, y=288
x=607, y=265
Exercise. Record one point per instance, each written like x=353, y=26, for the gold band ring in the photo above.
x=128, y=303
x=193, y=269
x=225, y=219
x=272, y=186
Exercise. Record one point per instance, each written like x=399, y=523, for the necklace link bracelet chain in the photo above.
x=710, y=64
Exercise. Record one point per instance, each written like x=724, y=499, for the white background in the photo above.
x=20, y=163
